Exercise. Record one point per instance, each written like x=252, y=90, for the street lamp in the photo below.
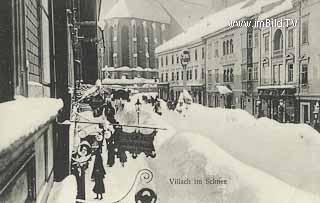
x=184, y=60
x=137, y=105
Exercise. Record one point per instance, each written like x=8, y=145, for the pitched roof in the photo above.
x=221, y=19
x=141, y=9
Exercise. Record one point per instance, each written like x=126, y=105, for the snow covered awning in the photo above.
x=25, y=116
x=276, y=87
x=223, y=89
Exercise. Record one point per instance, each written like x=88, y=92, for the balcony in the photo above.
x=278, y=53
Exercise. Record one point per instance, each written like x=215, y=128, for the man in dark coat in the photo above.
x=98, y=174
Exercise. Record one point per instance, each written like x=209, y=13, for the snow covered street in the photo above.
x=260, y=160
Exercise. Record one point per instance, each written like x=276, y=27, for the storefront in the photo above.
x=278, y=102
x=163, y=90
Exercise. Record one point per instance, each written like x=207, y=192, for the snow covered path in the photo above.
x=187, y=150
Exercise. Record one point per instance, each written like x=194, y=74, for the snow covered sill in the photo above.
x=25, y=116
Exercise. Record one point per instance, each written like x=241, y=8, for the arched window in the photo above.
x=125, y=46
x=278, y=40
x=134, y=31
x=224, y=48
x=231, y=46
x=140, y=47
x=111, y=47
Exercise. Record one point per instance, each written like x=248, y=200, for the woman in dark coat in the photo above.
x=98, y=174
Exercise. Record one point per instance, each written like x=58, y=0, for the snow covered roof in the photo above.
x=203, y=27
x=151, y=10
x=24, y=116
x=219, y=20
x=126, y=81
x=126, y=68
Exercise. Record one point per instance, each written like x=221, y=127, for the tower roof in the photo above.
x=141, y=9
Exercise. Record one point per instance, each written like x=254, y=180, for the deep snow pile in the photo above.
x=21, y=117
x=290, y=152
x=182, y=153
x=65, y=191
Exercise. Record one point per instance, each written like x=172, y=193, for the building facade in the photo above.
x=289, y=66
x=171, y=73
x=130, y=36
x=266, y=69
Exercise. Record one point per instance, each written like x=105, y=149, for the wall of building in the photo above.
x=27, y=167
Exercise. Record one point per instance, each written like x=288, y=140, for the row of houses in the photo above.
x=262, y=56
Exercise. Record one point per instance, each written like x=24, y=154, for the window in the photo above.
x=278, y=40
x=224, y=48
x=290, y=72
x=244, y=72
x=231, y=75
x=276, y=74
x=265, y=73
x=290, y=38
x=190, y=74
x=161, y=61
x=266, y=42
x=250, y=40
x=305, y=31
x=172, y=76
x=202, y=52
x=304, y=74
x=255, y=72
x=166, y=60
x=167, y=77
x=209, y=50
x=196, y=74
x=172, y=59
x=182, y=75
x=227, y=47
x=224, y=75
x=202, y=73
x=161, y=77
x=195, y=54
x=216, y=75
x=250, y=75
x=177, y=76
x=231, y=46
x=177, y=59
x=210, y=76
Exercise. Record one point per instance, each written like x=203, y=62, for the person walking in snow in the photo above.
x=98, y=175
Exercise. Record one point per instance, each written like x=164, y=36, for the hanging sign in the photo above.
x=137, y=142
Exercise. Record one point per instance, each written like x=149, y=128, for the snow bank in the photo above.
x=65, y=191
x=181, y=153
x=193, y=156
x=290, y=152
x=24, y=116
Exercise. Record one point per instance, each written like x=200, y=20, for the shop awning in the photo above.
x=223, y=89
x=276, y=87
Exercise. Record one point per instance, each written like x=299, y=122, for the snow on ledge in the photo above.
x=21, y=117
